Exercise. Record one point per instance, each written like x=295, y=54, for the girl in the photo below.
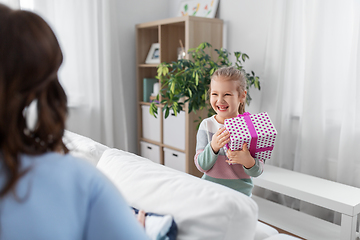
x=233, y=169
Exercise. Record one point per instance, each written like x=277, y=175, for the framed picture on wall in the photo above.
x=154, y=54
x=199, y=8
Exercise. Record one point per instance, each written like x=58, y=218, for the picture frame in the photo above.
x=154, y=54
x=199, y=8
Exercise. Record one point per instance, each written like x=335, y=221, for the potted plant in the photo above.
x=187, y=80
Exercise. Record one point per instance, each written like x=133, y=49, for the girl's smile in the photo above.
x=222, y=108
x=225, y=98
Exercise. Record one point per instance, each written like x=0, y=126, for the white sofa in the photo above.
x=201, y=209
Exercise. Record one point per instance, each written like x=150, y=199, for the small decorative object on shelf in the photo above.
x=181, y=51
x=148, y=84
x=154, y=54
x=155, y=92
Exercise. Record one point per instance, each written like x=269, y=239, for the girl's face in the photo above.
x=225, y=98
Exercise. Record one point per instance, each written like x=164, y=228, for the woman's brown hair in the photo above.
x=232, y=74
x=30, y=57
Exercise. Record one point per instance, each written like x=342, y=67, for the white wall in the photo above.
x=247, y=24
x=145, y=11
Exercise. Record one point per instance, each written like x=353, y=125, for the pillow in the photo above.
x=83, y=147
x=201, y=209
x=263, y=231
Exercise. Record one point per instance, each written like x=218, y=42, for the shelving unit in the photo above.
x=191, y=31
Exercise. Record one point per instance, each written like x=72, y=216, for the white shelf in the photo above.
x=328, y=194
x=295, y=222
x=335, y=196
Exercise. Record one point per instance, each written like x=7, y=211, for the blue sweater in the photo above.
x=66, y=198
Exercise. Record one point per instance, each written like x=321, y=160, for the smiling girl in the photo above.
x=233, y=169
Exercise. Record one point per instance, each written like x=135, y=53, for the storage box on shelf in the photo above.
x=151, y=126
x=174, y=159
x=174, y=130
x=150, y=151
x=175, y=133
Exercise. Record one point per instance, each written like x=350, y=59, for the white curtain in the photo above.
x=88, y=33
x=312, y=76
x=15, y=4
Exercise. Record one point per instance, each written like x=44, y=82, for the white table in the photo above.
x=328, y=194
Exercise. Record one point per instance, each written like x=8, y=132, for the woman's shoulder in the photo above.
x=69, y=175
x=54, y=159
x=60, y=166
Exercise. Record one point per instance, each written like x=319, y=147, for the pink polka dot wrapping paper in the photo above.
x=256, y=130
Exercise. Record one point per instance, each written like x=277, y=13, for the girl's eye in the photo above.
x=227, y=94
x=214, y=94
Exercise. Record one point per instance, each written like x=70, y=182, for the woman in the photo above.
x=44, y=192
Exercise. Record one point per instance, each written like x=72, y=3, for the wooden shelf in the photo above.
x=150, y=141
x=167, y=32
x=144, y=103
x=148, y=104
x=147, y=65
x=162, y=145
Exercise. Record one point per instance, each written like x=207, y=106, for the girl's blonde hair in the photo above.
x=232, y=74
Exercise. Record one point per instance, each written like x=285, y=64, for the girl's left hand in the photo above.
x=242, y=156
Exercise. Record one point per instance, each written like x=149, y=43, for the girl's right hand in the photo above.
x=219, y=139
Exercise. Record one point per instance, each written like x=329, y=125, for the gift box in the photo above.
x=256, y=130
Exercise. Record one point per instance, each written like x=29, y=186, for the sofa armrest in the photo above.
x=201, y=209
x=83, y=147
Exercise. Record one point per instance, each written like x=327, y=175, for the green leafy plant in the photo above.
x=187, y=80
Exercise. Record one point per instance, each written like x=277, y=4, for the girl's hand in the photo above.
x=140, y=217
x=242, y=156
x=220, y=138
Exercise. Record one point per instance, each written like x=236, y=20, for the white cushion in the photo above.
x=282, y=236
x=83, y=147
x=201, y=209
x=264, y=231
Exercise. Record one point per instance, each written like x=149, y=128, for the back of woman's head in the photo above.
x=30, y=57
